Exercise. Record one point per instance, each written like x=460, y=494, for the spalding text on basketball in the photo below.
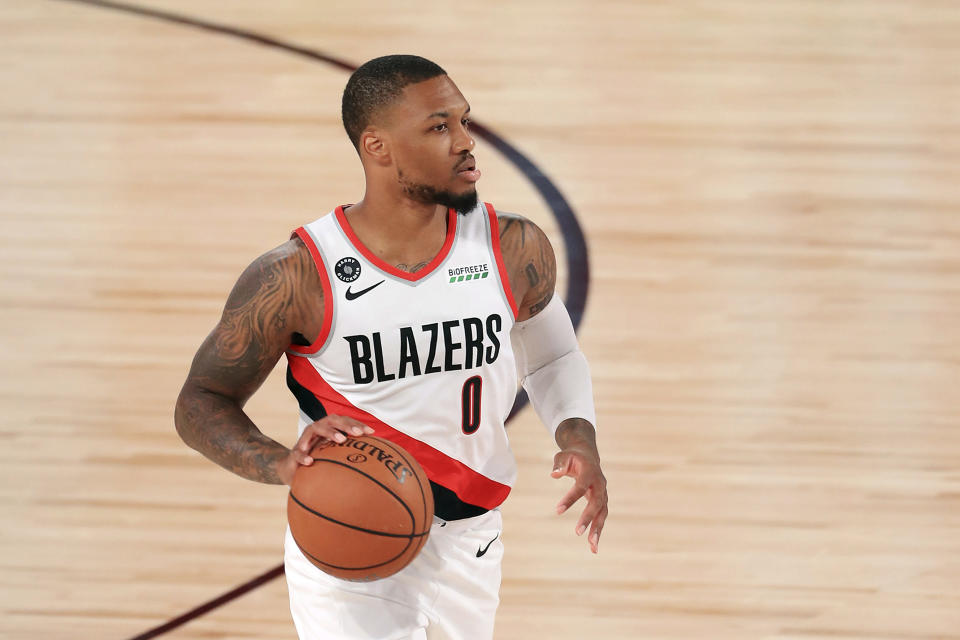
x=394, y=465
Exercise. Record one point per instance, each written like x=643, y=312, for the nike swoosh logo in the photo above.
x=480, y=552
x=351, y=295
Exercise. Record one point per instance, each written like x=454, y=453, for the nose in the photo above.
x=463, y=140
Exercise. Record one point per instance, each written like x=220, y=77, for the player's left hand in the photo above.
x=584, y=467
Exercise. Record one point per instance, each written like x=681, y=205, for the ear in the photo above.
x=375, y=145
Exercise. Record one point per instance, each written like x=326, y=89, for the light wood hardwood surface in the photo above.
x=771, y=196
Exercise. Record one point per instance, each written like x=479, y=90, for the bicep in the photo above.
x=541, y=272
x=256, y=326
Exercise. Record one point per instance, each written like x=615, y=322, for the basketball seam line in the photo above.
x=403, y=453
x=413, y=520
x=357, y=528
x=364, y=568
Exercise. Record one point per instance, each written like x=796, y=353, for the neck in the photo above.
x=399, y=230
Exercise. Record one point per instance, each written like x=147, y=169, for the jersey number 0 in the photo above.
x=470, y=404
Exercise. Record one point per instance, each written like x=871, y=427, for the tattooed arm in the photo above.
x=559, y=373
x=277, y=301
x=531, y=264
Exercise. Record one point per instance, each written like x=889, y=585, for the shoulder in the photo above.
x=278, y=274
x=292, y=255
x=519, y=235
x=279, y=292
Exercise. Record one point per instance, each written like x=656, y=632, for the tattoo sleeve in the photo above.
x=259, y=320
x=531, y=264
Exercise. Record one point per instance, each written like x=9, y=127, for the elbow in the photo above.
x=183, y=418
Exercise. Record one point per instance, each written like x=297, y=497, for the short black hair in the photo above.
x=377, y=83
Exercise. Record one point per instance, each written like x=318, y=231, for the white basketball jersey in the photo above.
x=424, y=358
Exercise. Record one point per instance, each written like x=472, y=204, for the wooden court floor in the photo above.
x=770, y=192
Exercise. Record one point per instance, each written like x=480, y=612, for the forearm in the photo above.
x=218, y=428
x=552, y=368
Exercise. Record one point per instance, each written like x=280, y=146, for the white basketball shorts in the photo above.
x=449, y=592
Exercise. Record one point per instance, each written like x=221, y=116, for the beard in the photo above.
x=462, y=203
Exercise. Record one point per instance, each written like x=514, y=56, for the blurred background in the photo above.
x=770, y=193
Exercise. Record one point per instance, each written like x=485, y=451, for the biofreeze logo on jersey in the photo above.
x=471, y=272
x=453, y=345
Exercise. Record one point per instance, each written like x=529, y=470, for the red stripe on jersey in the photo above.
x=389, y=268
x=304, y=235
x=471, y=487
x=495, y=241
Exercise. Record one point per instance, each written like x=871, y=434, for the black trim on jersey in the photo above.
x=308, y=402
x=448, y=506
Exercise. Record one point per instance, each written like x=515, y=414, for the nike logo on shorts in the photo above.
x=480, y=551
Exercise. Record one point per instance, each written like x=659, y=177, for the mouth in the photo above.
x=467, y=169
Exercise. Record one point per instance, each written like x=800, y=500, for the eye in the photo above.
x=440, y=127
x=466, y=123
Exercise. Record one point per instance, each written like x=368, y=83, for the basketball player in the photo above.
x=408, y=314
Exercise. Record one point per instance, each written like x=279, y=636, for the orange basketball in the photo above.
x=362, y=511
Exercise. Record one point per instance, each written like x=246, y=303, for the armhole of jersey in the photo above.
x=498, y=256
x=307, y=239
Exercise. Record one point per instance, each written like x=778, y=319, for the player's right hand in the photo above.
x=333, y=428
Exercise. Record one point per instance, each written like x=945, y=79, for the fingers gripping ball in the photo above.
x=362, y=511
